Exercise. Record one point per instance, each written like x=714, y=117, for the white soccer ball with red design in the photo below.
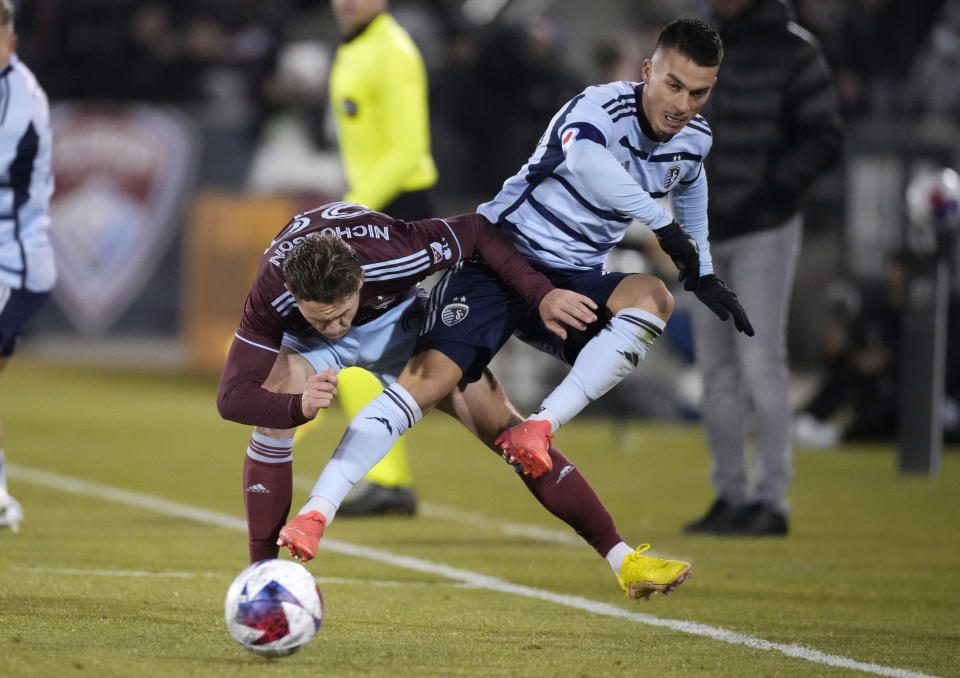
x=274, y=607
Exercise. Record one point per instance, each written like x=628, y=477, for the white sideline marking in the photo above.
x=479, y=520
x=475, y=579
x=216, y=575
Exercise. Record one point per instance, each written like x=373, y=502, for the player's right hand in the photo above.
x=566, y=307
x=684, y=252
x=319, y=392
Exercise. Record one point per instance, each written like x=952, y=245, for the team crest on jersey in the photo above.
x=455, y=312
x=440, y=251
x=671, y=176
x=383, y=301
x=343, y=210
x=350, y=107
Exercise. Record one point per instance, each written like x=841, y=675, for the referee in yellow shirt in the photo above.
x=378, y=92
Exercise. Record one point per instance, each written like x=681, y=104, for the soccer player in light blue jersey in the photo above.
x=606, y=159
x=27, y=269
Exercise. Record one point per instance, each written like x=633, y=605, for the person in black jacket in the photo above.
x=776, y=127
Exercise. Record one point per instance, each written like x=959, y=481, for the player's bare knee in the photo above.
x=660, y=300
x=645, y=292
x=653, y=296
x=275, y=432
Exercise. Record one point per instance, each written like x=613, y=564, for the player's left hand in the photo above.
x=319, y=392
x=721, y=300
x=566, y=307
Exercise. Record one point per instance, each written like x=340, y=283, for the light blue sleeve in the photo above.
x=16, y=119
x=608, y=183
x=589, y=111
x=689, y=203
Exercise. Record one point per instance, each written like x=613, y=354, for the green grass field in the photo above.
x=133, y=531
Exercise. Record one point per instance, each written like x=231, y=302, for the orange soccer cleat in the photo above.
x=302, y=535
x=527, y=444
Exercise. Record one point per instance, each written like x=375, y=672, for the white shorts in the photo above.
x=383, y=346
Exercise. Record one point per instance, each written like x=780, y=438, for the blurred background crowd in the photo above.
x=245, y=83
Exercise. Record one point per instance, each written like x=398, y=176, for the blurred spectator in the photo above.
x=295, y=153
x=776, y=128
x=933, y=87
x=620, y=58
x=871, y=44
x=857, y=399
x=498, y=91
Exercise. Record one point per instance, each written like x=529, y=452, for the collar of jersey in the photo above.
x=645, y=125
x=357, y=33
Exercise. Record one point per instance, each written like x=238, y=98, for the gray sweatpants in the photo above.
x=746, y=376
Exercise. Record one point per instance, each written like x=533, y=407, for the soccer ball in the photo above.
x=933, y=198
x=273, y=607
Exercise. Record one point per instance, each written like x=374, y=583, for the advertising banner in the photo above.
x=122, y=175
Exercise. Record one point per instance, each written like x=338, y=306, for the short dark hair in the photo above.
x=694, y=38
x=322, y=268
x=6, y=13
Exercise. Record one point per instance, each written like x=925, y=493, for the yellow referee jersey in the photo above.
x=378, y=90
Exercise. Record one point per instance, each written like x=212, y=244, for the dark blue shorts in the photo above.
x=472, y=313
x=21, y=304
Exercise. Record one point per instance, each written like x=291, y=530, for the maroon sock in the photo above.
x=567, y=495
x=267, y=493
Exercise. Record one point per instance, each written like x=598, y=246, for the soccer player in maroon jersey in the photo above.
x=338, y=287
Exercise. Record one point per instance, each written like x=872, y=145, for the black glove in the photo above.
x=722, y=301
x=684, y=252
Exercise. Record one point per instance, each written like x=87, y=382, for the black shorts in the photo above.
x=20, y=305
x=472, y=313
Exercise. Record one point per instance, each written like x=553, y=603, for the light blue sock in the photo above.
x=602, y=364
x=370, y=435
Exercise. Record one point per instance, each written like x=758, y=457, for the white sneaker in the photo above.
x=808, y=431
x=11, y=513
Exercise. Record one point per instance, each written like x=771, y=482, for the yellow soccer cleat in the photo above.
x=640, y=575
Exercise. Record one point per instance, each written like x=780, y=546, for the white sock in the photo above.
x=324, y=506
x=3, y=473
x=543, y=414
x=616, y=555
x=370, y=435
x=602, y=364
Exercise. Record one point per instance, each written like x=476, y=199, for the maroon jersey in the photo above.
x=395, y=255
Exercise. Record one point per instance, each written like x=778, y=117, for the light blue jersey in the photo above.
x=26, y=182
x=555, y=218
